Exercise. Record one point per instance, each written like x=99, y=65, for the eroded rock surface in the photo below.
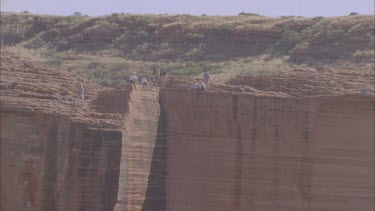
x=143, y=148
x=242, y=152
x=312, y=82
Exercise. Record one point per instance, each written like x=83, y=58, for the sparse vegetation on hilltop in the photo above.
x=107, y=48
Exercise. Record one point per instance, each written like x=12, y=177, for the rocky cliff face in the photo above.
x=241, y=152
x=57, y=155
x=50, y=163
x=138, y=144
x=142, y=148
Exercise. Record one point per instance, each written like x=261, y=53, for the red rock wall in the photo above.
x=49, y=163
x=187, y=150
x=114, y=101
x=139, y=136
x=240, y=152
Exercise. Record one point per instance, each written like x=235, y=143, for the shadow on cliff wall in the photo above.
x=155, y=199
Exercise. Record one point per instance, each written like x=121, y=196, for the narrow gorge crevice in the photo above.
x=155, y=197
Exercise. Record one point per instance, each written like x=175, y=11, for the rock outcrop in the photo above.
x=244, y=152
x=58, y=155
x=142, y=148
x=312, y=82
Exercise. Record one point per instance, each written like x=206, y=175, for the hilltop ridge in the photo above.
x=107, y=48
x=186, y=37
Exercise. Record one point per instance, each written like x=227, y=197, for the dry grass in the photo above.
x=186, y=45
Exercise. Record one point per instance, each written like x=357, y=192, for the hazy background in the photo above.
x=308, y=8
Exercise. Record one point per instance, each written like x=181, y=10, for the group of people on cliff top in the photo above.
x=158, y=78
x=200, y=84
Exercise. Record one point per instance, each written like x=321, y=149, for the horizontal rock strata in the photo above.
x=142, y=148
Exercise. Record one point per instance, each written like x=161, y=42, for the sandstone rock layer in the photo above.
x=240, y=152
x=143, y=148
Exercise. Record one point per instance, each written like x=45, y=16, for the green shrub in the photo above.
x=51, y=34
x=55, y=32
x=248, y=14
x=143, y=47
x=131, y=55
x=288, y=17
x=264, y=71
x=77, y=14
x=115, y=14
x=122, y=39
x=371, y=38
x=118, y=83
x=141, y=36
x=353, y=13
x=1, y=35
x=193, y=36
x=102, y=81
x=191, y=68
x=75, y=18
x=335, y=34
x=118, y=66
x=94, y=64
x=62, y=45
x=289, y=40
x=367, y=55
x=318, y=18
x=14, y=19
x=35, y=43
x=186, y=71
x=124, y=42
x=195, y=52
x=99, y=72
x=54, y=62
x=105, y=82
x=227, y=29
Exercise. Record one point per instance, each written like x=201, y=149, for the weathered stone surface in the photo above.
x=240, y=152
x=140, y=148
x=49, y=163
x=139, y=135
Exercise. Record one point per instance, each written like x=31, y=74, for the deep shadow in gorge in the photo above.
x=155, y=198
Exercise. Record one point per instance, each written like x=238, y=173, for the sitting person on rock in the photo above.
x=133, y=78
x=144, y=81
x=194, y=85
x=202, y=86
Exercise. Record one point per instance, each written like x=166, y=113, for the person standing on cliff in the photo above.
x=144, y=81
x=206, y=78
x=163, y=73
x=81, y=94
x=156, y=72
